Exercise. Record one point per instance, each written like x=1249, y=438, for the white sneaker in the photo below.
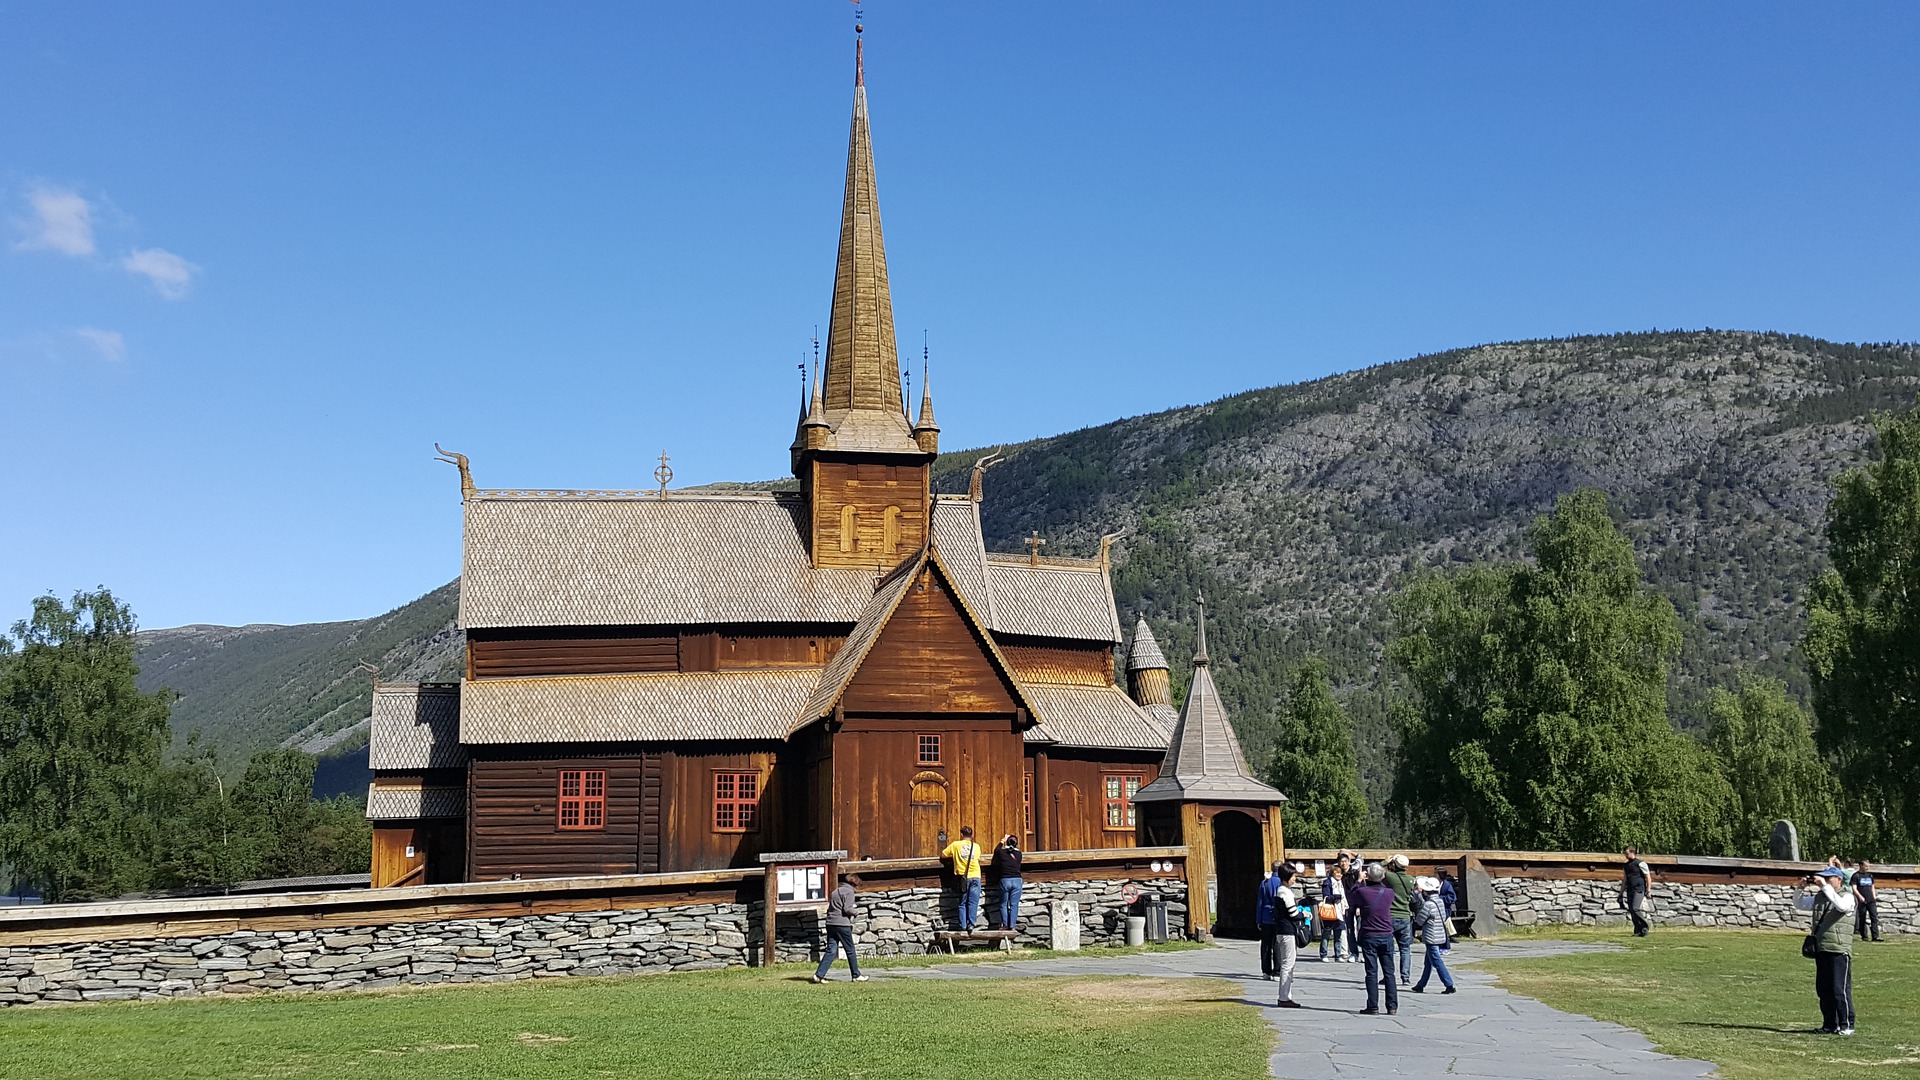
x=1844, y=1031
x=860, y=978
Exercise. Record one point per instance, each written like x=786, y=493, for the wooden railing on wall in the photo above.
x=210, y=916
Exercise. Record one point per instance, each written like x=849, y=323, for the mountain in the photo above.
x=1299, y=510
x=246, y=688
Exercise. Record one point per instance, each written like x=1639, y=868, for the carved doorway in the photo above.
x=927, y=814
x=1238, y=855
x=1071, y=829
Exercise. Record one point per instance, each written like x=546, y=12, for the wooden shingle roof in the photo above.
x=1204, y=762
x=416, y=727
x=667, y=706
x=1102, y=717
x=415, y=802
x=564, y=559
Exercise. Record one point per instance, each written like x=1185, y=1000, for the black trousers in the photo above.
x=1866, y=913
x=1833, y=980
x=1269, y=950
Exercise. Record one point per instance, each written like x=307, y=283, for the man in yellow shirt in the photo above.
x=966, y=857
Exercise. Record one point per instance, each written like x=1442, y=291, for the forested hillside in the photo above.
x=1299, y=510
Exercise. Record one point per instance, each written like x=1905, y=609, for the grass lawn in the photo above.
x=1741, y=998
x=733, y=1023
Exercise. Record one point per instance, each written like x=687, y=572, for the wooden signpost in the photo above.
x=795, y=881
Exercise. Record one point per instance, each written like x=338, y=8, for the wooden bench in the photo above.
x=1463, y=925
x=1003, y=939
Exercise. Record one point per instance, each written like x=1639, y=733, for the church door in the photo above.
x=1072, y=830
x=928, y=814
x=1237, y=866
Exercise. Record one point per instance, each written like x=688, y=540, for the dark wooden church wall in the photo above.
x=1073, y=796
x=513, y=825
x=928, y=661
x=581, y=650
x=688, y=839
x=890, y=805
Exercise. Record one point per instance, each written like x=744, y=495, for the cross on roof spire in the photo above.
x=1034, y=544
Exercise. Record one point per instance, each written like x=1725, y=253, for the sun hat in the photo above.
x=1832, y=871
x=1427, y=884
x=1399, y=862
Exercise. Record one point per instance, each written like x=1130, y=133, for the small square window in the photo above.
x=929, y=750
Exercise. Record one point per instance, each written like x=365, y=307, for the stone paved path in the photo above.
x=1481, y=1032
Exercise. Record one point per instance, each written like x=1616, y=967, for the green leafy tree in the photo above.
x=1863, y=642
x=79, y=748
x=1765, y=745
x=1314, y=766
x=1540, y=718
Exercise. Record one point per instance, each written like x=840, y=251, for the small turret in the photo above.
x=1149, y=678
x=926, y=431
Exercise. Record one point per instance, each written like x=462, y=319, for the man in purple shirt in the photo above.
x=1374, y=901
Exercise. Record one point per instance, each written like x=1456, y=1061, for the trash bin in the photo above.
x=1136, y=930
x=1154, y=907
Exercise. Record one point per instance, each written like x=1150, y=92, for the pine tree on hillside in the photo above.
x=1314, y=766
x=1863, y=641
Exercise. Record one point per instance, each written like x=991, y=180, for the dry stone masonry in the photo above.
x=615, y=942
x=1534, y=901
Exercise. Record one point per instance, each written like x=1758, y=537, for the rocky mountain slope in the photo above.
x=1299, y=510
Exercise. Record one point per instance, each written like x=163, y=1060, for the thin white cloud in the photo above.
x=111, y=344
x=62, y=221
x=170, y=274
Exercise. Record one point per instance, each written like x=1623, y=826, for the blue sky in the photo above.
x=256, y=258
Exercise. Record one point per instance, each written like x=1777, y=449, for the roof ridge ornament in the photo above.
x=459, y=461
x=1200, y=648
x=977, y=486
x=664, y=474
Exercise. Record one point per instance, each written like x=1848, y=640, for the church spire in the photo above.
x=861, y=388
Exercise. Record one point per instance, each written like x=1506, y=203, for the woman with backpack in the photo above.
x=1430, y=923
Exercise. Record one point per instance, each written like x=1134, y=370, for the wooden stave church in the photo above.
x=675, y=681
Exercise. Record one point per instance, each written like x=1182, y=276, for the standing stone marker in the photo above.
x=1785, y=843
x=1066, y=925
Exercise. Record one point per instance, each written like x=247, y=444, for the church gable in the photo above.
x=928, y=658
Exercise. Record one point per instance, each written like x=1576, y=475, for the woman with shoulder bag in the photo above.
x=1332, y=912
x=1831, y=947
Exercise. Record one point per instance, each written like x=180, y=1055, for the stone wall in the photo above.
x=606, y=942
x=1521, y=901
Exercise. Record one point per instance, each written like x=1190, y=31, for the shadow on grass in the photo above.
x=1749, y=1027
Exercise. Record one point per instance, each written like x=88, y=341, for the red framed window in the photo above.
x=736, y=801
x=583, y=799
x=1121, y=789
x=929, y=750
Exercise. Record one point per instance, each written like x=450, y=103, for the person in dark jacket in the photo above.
x=1374, y=902
x=1449, y=895
x=1636, y=884
x=842, y=906
x=1264, y=920
x=1353, y=878
x=1006, y=864
x=1866, y=909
